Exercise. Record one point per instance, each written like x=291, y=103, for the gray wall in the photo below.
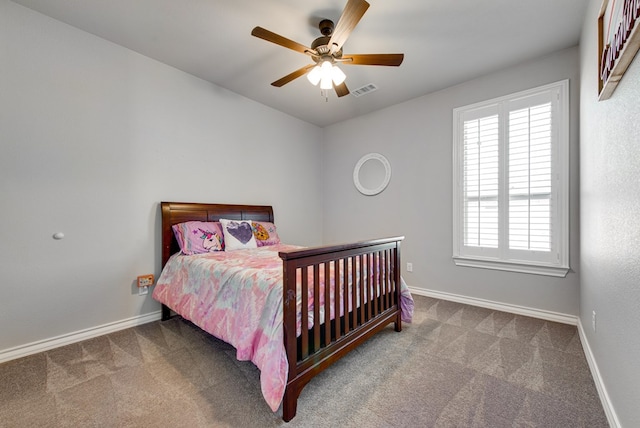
x=416, y=137
x=92, y=137
x=610, y=237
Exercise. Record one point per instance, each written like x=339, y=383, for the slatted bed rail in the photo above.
x=363, y=277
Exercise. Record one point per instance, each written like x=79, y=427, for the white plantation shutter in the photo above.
x=530, y=178
x=511, y=182
x=481, y=182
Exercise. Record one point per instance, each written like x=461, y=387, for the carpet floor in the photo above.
x=454, y=366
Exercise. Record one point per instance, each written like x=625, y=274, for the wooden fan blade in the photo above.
x=373, y=59
x=282, y=41
x=341, y=89
x=292, y=76
x=351, y=15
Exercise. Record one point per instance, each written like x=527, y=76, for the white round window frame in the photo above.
x=387, y=174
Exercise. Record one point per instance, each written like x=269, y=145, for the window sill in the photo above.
x=557, y=271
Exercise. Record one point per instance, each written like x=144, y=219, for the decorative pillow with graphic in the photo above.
x=265, y=233
x=238, y=234
x=197, y=237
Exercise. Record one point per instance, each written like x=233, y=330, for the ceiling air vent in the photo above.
x=366, y=89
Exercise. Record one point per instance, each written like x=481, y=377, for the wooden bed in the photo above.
x=321, y=345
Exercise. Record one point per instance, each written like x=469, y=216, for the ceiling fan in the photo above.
x=326, y=51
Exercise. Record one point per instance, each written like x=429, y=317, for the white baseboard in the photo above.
x=498, y=306
x=67, y=339
x=612, y=417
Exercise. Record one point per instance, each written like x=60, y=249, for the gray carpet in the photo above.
x=454, y=366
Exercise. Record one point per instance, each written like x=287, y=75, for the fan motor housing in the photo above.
x=321, y=44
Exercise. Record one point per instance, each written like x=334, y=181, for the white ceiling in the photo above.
x=445, y=42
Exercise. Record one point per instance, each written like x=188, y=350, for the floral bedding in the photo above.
x=237, y=297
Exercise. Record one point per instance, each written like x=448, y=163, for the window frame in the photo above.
x=556, y=262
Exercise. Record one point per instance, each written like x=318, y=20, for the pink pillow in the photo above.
x=196, y=237
x=265, y=233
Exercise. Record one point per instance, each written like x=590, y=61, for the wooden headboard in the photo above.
x=179, y=212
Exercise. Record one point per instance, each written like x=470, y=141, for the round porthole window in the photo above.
x=372, y=174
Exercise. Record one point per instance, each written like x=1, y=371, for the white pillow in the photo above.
x=238, y=234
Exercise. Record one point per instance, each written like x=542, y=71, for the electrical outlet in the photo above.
x=143, y=290
x=593, y=320
x=409, y=267
x=145, y=280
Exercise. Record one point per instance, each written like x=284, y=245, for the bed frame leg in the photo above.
x=398, y=322
x=166, y=313
x=289, y=404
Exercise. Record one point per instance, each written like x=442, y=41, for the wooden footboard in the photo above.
x=366, y=279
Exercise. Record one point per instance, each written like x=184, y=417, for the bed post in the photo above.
x=166, y=312
x=292, y=390
x=397, y=278
x=290, y=403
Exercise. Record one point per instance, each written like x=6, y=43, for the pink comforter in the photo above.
x=237, y=297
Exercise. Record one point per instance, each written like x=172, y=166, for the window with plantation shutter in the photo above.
x=511, y=182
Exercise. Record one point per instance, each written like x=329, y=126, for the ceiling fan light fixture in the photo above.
x=337, y=75
x=314, y=75
x=327, y=75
